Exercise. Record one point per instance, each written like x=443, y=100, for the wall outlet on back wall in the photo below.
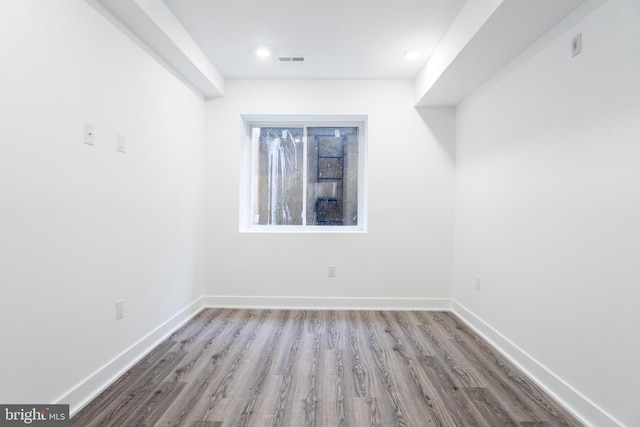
x=331, y=271
x=477, y=283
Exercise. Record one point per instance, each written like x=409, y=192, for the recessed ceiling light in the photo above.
x=411, y=54
x=263, y=52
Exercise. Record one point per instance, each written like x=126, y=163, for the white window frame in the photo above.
x=248, y=184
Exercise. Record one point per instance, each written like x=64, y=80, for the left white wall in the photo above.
x=83, y=226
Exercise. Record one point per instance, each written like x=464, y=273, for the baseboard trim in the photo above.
x=328, y=303
x=97, y=382
x=588, y=412
x=583, y=408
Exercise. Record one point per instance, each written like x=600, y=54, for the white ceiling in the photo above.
x=340, y=39
x=462, y=43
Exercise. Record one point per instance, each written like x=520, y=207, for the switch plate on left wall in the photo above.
x=89, y=134
x=121, y=143
x=119, y=309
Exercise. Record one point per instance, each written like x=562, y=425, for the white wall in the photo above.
x=546, y=203
x=83, y=226
x=548, y=206
x=407, y=252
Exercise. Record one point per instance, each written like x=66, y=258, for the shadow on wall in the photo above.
x=440, y=121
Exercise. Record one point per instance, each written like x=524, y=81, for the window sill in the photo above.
x=287, y=229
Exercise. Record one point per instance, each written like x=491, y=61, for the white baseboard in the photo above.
x=97, y=382
x=88, y=389
x=328, y=303
x=583, y=408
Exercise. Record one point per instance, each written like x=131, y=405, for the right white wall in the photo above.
x=548, y=211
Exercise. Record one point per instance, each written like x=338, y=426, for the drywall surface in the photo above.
x=472, y=16
x=82, y=226
x=407, y=251
x=547, y=205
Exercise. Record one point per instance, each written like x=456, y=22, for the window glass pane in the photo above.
x=332, y=176
x=279, y=175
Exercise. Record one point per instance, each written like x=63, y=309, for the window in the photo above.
x=304, y=174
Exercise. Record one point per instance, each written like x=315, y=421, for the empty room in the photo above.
x=339, y=213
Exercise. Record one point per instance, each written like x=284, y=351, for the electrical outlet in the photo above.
x=332, y=271
x=119, y=309
x=477, y=283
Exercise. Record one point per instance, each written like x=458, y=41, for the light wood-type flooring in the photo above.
x=323, y=368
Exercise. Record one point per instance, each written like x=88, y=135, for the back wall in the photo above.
x=406, y=256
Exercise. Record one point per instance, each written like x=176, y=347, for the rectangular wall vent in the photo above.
x=291, y=58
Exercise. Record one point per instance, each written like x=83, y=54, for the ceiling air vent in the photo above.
x=291, y=58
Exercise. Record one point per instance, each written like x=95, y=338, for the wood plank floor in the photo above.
x=323, y=368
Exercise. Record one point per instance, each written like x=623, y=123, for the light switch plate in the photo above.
x=121, y=143
x=576, y=44
x=89, y=134
x=119, y=309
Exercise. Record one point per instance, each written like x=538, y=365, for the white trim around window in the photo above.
x=252, y=176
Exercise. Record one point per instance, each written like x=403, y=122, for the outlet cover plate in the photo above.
x=332, y=271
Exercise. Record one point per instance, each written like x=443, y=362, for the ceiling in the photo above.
x=461, y=43
x=339, y=39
